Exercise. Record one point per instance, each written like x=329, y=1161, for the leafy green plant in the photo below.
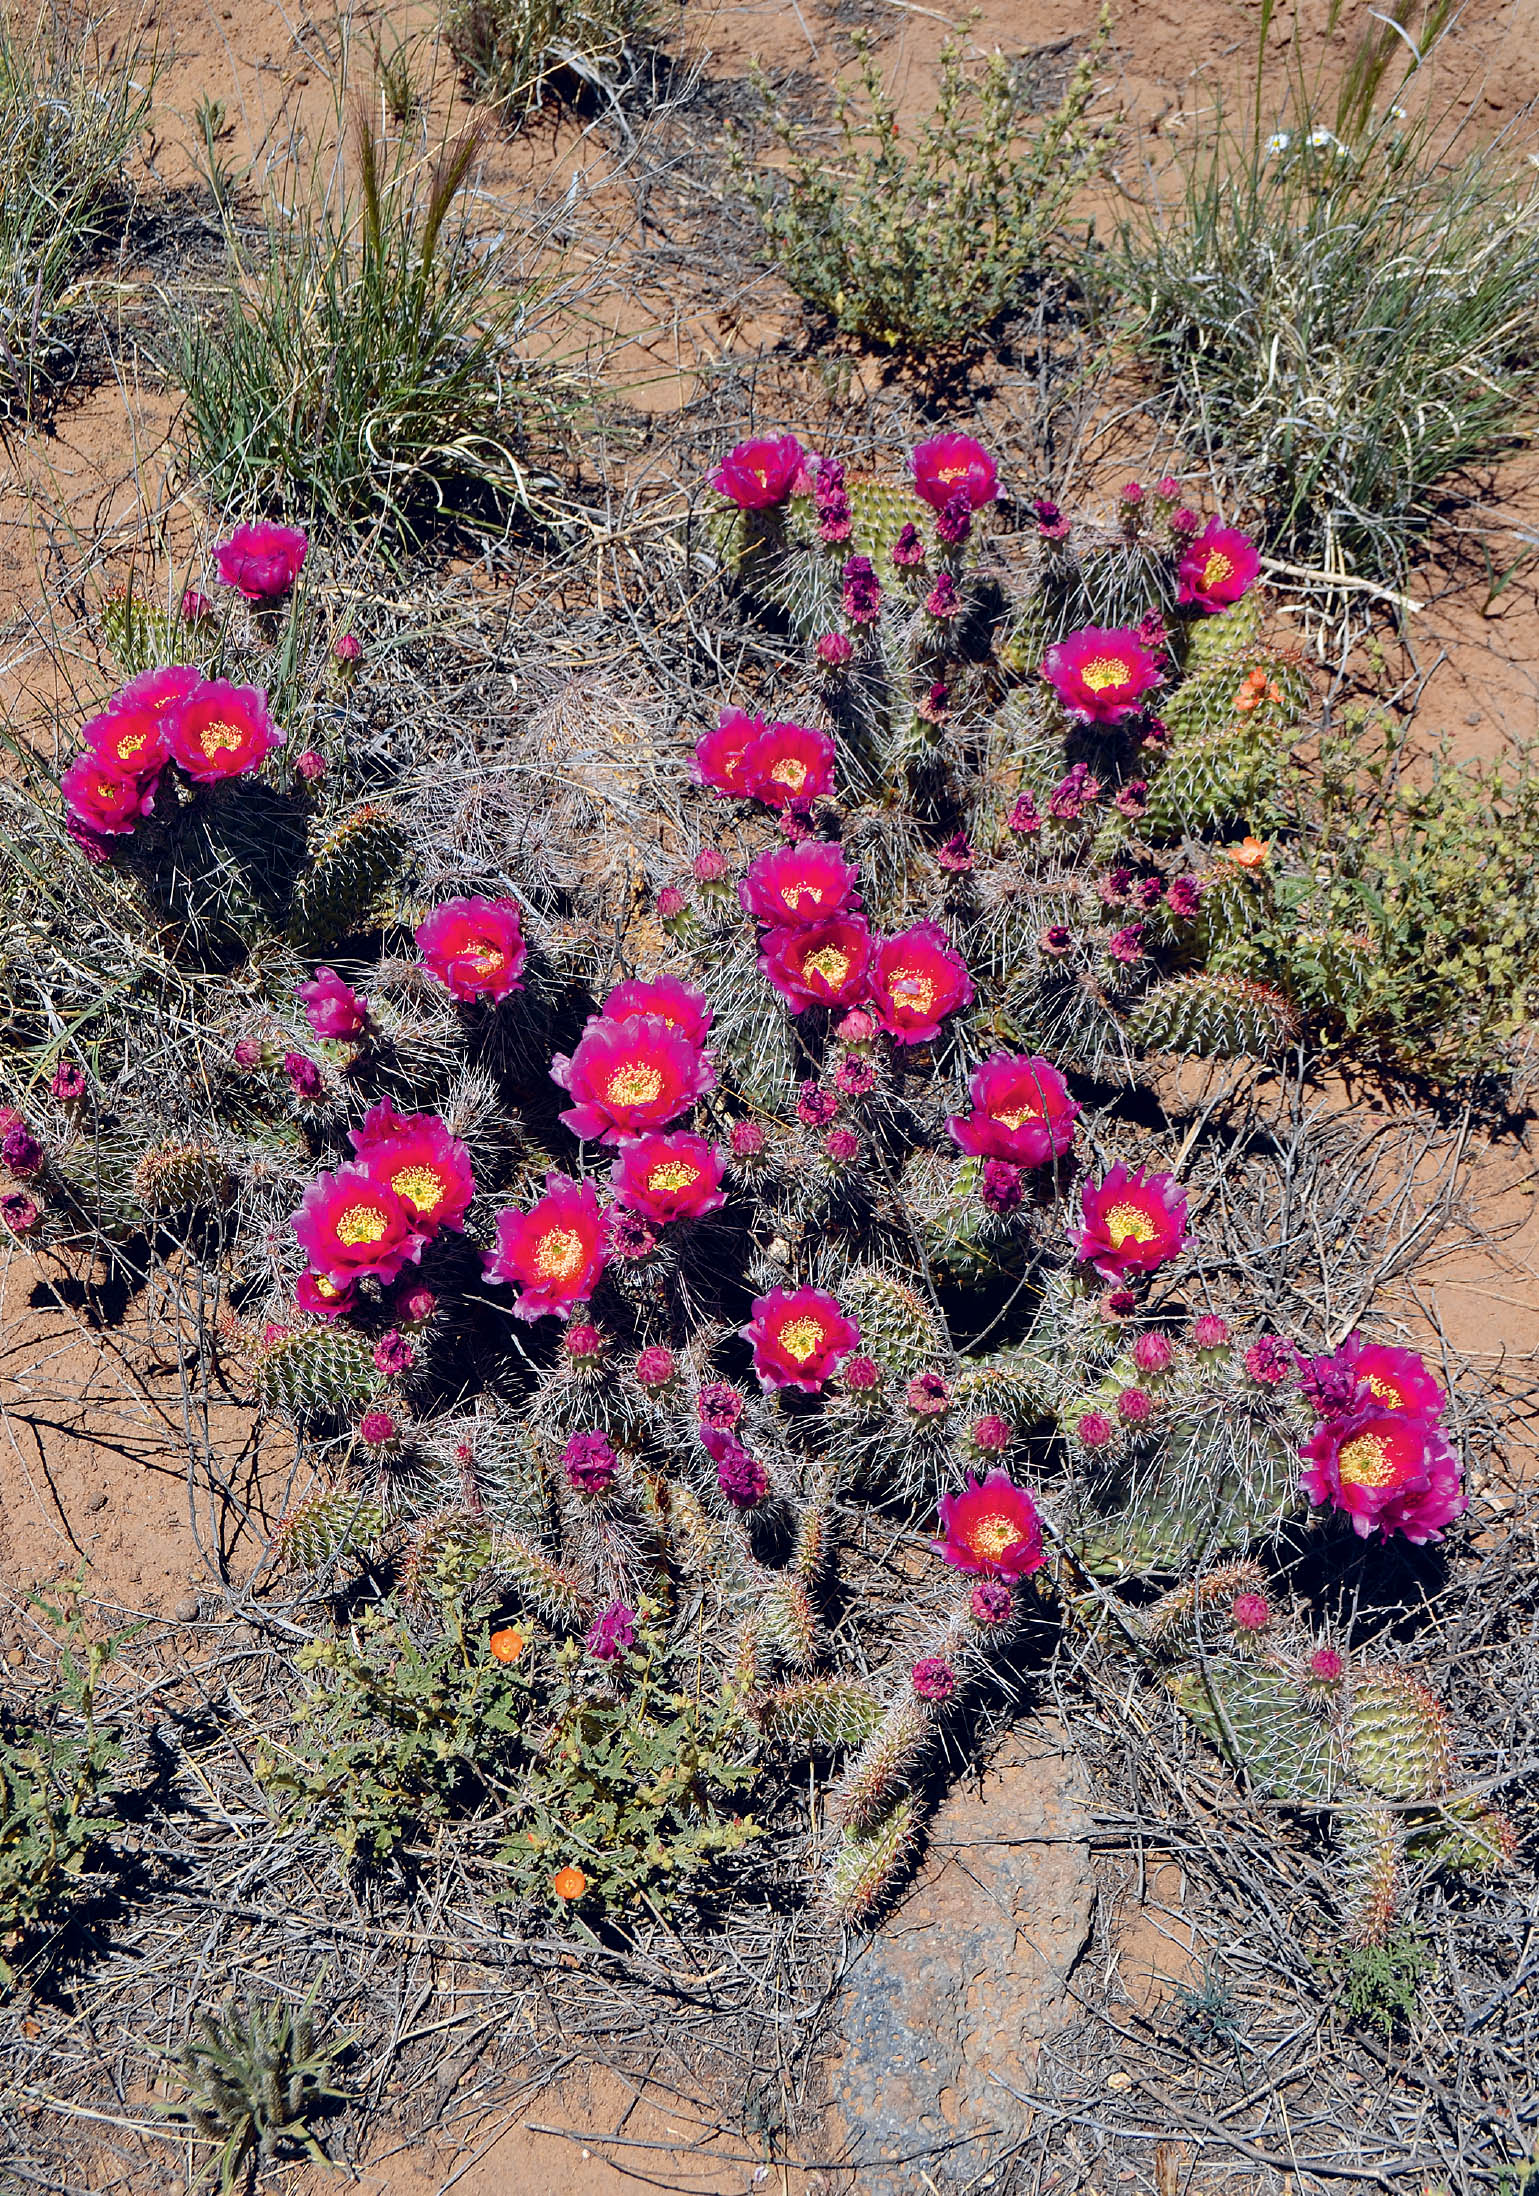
x=1381, y=1982
x=920, y=244
x=56, y=1766
x=620, y=1770
x=256, y=2078
x=1343, y=306
x=70, y=110
x=518, y=52
x=366, y=372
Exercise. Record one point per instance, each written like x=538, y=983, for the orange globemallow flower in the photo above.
x=1249, y=854
x=507, y=1644
x=569, y=1882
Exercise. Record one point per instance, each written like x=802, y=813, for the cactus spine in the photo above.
x=818, y=1714
x=317, y=1374
x=867, y=1864
x=549, y=1590
x=1399, y=1738
x=331, y=1522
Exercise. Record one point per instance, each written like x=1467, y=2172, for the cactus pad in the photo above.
x=1398, y=1736
x=348, y=868
x=317, y=1375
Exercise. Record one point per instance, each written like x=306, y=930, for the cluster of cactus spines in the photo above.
x=134, y=633
x=1170, y=1621
x=328, y=1523
x=176, y=1176
x=317, y=1376
x=868, y=1864
x=446, y=1554
x=549, y=1589
x=885, y=1767
x=816, y=1525
x=1210, y=1015
x=1469, y=1837
x=1399, y=1738
x=817, y=1715
x=350, y=864
x=787, y=1622
x=1264, y=1722
x=1370, y=1843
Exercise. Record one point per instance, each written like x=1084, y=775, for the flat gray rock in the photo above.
x=969, y=1974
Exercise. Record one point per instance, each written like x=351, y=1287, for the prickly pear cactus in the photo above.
x=317, y=1375
x=348, y=868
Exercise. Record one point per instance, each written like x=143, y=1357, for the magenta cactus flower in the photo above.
x=1021, y=1111
x=415, y=1155
x=789, y=766
x=915, y=980
x=263, y=561
x=799, y=1338
x=822, y=965
x=1133, y=1223
x=554, y=1253
x=796, y=886
x=350, y=1224
x=1388, y=1470
x=992, y=1527
x=589, y=1462
x=721, y=756
x=1217, y=568
x=1101, y=673
x=103, y=801
x=675, y=1177
x=953, y=464
x=332, y=1008
x=760, y=473
x=474, y=947
x=626, y=1078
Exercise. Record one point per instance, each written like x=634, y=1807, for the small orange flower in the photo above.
x=508, y=1644
x=569, y=1882
x=1249, y=854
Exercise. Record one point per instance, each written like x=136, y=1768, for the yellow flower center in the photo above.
x=1217, y=568
x=949, y=473
x=1365, y=1461
x=1384, y=1390
x=484, y=958
x=991, y=1534
x=829, y=963
x=362, y=1224
x=1011, y=1117
x=792, y=893
x=558, y=1254
x=1128, y=1220
x=635, y=1084
x=911, y=989
x=220, y=738
x=790, y=771
x=423, y=1187
x=129, y=743
x=1104, y=671
x=672, y=1174
x=800, y=1337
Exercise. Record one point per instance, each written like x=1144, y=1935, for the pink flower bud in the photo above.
x=1152, y=1353
x=311, y=766
x=1251, y=1612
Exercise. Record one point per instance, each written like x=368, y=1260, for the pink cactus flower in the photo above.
x=664, y=1178
x=103, y=801
x=1388, y=1471
x=263, y=561
x=474, y=947
x=670, y=999
x=789, y=766
x=795, y=886
x=947, y=464
x=760, y=473
x=421, y=1162
x=991, y=1527
x=331, y=1007
x=626, y=1078
x=721, y=756
x=1133, y=1223
x=823, y=965
x=1101, y=674
x=553, y=1254
x=222, y=731
x=915, y=980
x=799, y=1338
x=1217, y=568
x=350, y=1224
x=1021, y=1111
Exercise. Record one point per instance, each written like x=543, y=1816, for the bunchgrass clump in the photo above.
x=522, y=52
x=366, y=370
x=920, y=243
x=70, y=110
x=1344, y=305
x=257, y=2078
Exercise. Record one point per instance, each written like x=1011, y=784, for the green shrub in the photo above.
x=519, y=51
x=365, y=373
x=55, y=1794
x=1381, y=1982
x=69, y=113
x=922, y=244
x=1344, y=314
x=410, y=1724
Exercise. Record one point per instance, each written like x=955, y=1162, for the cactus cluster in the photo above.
x=1366, y=1742
x=734, y=1249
